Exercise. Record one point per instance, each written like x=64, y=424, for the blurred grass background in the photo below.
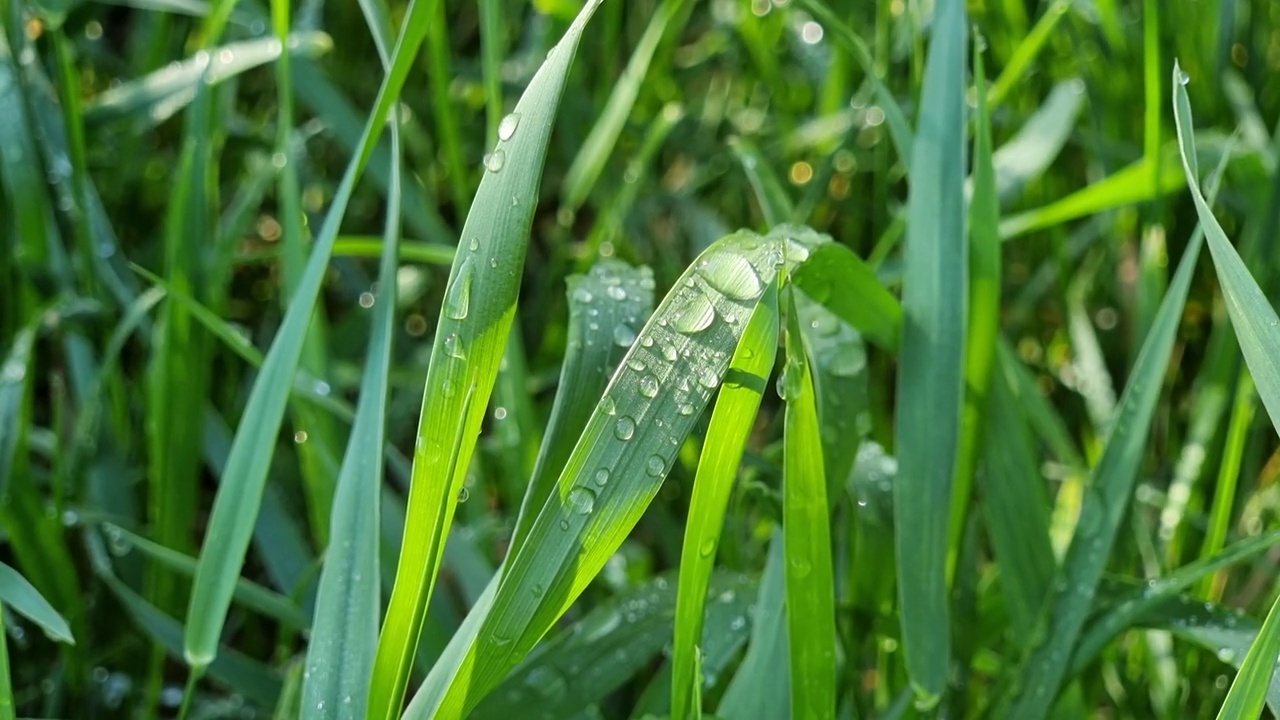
x=116, y=406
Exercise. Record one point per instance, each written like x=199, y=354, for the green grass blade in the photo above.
x=160, y=95
x=838, y=361
x=775, y=203
x=1103, y=508
x=811, y=625
x=727, y=435
x=470, y=339
x=13, y=388
x=930, y=381
x=6, y=684
x=619, y=463
x=1258, y=330
x=236, y=505
x=594, y=152
x=1029, y=153
x=759, y=689
x=844, y=284
x=1019, y=64
x=22, y=597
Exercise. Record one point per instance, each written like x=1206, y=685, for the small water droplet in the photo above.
x=625, y=428
x=636, y=364
x=449, y=388
x=670, y=353
x=623, y=335
x=453, y=347
x=649, y=386
x=801, y=567
x=685, y=409
x=583, y=295
x=601, y=477
x=494, y=161
x=457, y=301
x=582, y=500
x=655, y=466
x=463, y=495
x=608, y=405
x=507, y=128
x=1183, y=78
x=617, y=293
x=646, y=341
x=474, y=244
x=708, y=378
x=300, y=437
x=707, y=547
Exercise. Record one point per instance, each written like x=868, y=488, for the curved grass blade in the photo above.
x=775, y=204
x=758, y=689
x=613, y=642
x=1103, y=507
x=599, y=143
x=617, y=298
x=235, y=508
x=930, y=380
x=13, y=387
x=344, y=635
x=618, y=465
x=1030, y=152
x=163, y=93
x=22, y=597
x=811, y=623
x=470, y=339
x=727, y=435
x=844, y=284
x=1258, y=329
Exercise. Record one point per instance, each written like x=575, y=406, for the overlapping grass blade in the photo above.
x=1019, y=64
x=618, y=465
x=759, y=689
x=618, y=638
x=1258, y=330
x=843, y=283
x=160, y=95
x=594, y=152
x=13, y=387
x=236, y=505
x=344, y=636
x=20, y=596
x=727, y=435
x=1103, y=507
x=775, y=204
x=930, y=380
x=838, y=363
x=471, y=336
x=1029, y=153
x=811, y=623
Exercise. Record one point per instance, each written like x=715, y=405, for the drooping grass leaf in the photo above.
x=23, y=598
x=843, y=283
x=930, y=380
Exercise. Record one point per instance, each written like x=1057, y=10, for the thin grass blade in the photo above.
x=22, y=597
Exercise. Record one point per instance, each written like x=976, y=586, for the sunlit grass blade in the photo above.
x=775, y=204
x=1103, y=507
x=731, y=421
x=618, y=638
x=616, y=299
x=595, y=150
x=1019, y=64
x=1026, y=155
x=1129, y=608
x=811, y=624
x=930, y=374
x=160, y=95
x=236, y=505
x=1258, y=329
x=344, y=636
x=618, y=465
x=21, y=597
x=844, y=284
x=759, y=688
x=471, y=337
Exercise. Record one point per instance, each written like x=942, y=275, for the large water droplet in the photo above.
x=708, y=378
x=582, y=500
x=732, y=275
x=655, y=466
x=670, y=353
x=694, y=313
x=649, y=386
x=507, y=128
x=494, y=161
x=624, y=428
x=457, y=301
x=623, y=335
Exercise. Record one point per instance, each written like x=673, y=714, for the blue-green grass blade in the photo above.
x=930, y=374
x=14, y=376
x=471, y=336
x=843, y=283
x=811, y=622
x=1038, y=142
x=731, y=421
x=22, y=597
x=759, y=688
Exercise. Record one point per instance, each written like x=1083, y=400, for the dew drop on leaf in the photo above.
x=507, y=128
x=625, y=428
x=623, y=335
x=457, y=301
x=649, y=386
x=732, y=275
x=694, y=313
x=655, y=466
x=494, y=161
x=582, y=500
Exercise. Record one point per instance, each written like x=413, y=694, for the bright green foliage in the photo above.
x=639, y=359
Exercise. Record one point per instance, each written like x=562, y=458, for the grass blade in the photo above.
x=23, y=598
x=930, y=381
x=811, y=625
x=727, y=435
x=758, y=689
x=844, y=284
x=470, y=339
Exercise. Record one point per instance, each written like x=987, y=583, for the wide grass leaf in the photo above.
x=759, y=689
x=843, y=283
x=930, y=374
x=23, y=598
x=471, y=337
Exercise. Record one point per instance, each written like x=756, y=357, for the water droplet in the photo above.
x=453, y=347
x=300, y=437
x=848, y=362
x=474, y=244
x=623, y=335
x=708, y=378
x=582, y=500
x=670, y=353
x=694, y=313
x=649, y=386
x=624, y=428
x=732, y=275
x=583, y=295
x=617, y=293
x=601, y=477
x=646, y=341
x=636, y=364
x=507, y=128
x=707, y=547
x=1183, y=78
x=608, y=405
x=366, y=300
x=457, y=301
x=685, y=409
x=493, y=262
x=494, y=161
x=463, y=495
x=655, y=466
x=800, y=567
